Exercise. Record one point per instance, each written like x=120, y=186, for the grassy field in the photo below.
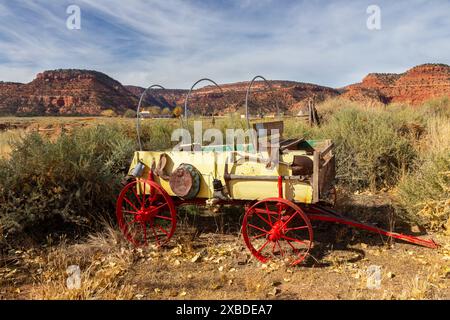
x=60, y=177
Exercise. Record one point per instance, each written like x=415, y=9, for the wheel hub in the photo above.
x=276, y=232
x=142, y=216
x=146, y=214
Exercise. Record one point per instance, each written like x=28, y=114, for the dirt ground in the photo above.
x=203, y=263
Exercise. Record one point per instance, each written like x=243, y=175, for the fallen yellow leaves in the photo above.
x=273, y=292
x=182, y=294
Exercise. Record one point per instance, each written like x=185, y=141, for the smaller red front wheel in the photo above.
x=276, y=228
x=146, y=213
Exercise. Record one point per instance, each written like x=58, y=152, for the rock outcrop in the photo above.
x=66, y=92
x=415, y=86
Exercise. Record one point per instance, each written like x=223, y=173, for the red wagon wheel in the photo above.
x=146, y=213
x=276, y=228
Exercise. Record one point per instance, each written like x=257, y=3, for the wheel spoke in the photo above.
x=163, y=230
x=258, y=228
x=280, y=206
x=163, y=217
x=154, y=196
x=288, y=220
x=137, y=197
x=259, y=236
x=144, y=229
x=263, y=246
x=293, y=239
x=161, y=206
x=264, y=219
x=296, y=228
x=129, y=202
x=268, y=213
x=281, y=250
x=127, y=225
x=156, y=236
x=143, y=196
x=293, y=248
x=128, y=211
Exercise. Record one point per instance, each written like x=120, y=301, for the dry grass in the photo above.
x=437, y=140
x=425, y=191
x=104, y=260
x=219, y=267
x=6, y=138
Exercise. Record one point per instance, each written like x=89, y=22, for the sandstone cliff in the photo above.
x=415, y=86
x=65, y=92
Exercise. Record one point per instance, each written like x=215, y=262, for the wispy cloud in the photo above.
x=176, y=42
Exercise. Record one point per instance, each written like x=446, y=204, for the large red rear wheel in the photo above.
x=146, y=213
x=276, y=228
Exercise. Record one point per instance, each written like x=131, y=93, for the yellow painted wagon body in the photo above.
x=247, y=179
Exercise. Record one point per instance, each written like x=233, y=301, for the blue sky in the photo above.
x=176, y=42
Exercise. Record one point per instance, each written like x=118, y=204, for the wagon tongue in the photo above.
x=338, y=218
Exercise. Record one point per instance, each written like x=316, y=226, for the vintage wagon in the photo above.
x=284, y=184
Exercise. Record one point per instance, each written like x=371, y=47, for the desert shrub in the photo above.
x=439, y=107
x=294, y=128
x=108, y=113
x=329, y=107
x=424, y=192
x=166, y=111
x=45, y=185
x=154, y=110
x=370, y=150
x=156, y=134
x=129, y=114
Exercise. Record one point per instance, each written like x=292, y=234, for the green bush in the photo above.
x=74, y=180
x=156, y=135
x=129, y=114
x=370, y=148
x=108, y=113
